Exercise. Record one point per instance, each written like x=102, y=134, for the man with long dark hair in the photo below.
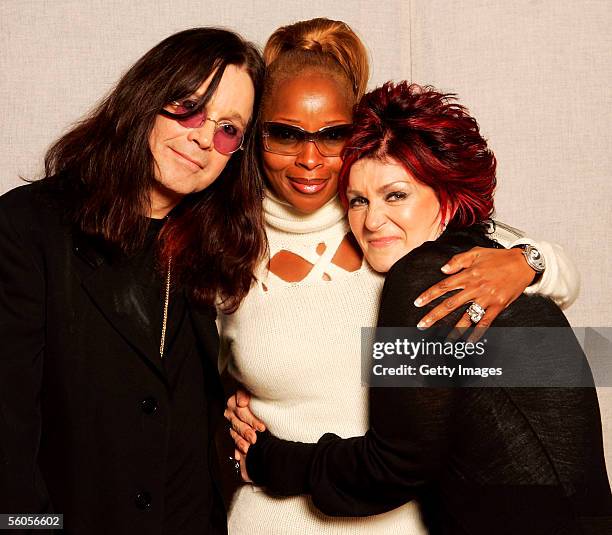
x=110, y=267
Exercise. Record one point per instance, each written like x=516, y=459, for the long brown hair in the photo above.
x=215, y=237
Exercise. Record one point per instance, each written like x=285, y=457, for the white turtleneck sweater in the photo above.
x=296, y=347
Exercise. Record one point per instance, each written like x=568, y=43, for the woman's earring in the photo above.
x=441, y=230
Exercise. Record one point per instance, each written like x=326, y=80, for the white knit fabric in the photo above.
x=296, y=347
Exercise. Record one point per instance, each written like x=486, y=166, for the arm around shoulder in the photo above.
x=561, y=278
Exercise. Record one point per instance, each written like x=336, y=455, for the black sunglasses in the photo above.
x=289, y=140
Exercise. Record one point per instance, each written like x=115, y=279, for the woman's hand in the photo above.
x=493, y=278
x=243, y=422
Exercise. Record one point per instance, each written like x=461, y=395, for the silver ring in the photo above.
x=475, y=312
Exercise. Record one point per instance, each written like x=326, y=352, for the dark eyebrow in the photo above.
x=296, y=122
x=391, y=185
x=387, y=187
x=286, y=119
x=235, y=116
x=232, y=115
x=325, y=128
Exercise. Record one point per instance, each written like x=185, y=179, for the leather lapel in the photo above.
x=122, y=300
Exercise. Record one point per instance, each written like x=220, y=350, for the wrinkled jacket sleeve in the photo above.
x=560, y=280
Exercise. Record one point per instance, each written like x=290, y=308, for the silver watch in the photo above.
x=533, y=257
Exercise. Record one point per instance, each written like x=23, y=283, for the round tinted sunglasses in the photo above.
x=227, y=137
x=281, y=138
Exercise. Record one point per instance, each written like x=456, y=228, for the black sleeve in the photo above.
x=407, y=438
x=22, y=326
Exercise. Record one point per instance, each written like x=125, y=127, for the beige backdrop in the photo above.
x=536, y=73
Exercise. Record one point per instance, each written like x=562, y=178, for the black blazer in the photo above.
x=479, y=460
x=83, y=397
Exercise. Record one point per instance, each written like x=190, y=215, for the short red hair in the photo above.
x=436, y=141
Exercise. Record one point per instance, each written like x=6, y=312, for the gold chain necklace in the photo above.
x=162, y=342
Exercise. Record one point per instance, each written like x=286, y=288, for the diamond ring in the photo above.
x=475, y=312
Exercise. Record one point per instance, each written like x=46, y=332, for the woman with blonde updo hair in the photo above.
x=295, y=341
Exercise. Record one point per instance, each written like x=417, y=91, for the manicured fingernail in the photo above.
x=445, y=268
x=422, y=325
x=418, y=302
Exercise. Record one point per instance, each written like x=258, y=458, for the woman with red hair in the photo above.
x=283, y=344
x=418, y=182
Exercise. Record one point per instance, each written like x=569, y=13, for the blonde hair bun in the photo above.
x=323, y=43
